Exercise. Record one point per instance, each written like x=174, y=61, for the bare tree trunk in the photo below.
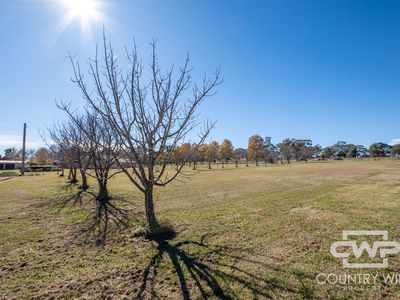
x=74, y=175
x=222, y=163
x=102, y=194
x=84, y=185
x=70, y=173
x=236, y=163
x=256, y=162
x=149, y=207
x=194, y=165
x=209, y=164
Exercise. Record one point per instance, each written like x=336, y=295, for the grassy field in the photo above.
x=243, y=233
x=9, y=173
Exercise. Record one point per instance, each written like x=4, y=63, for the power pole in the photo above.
x=23, y=152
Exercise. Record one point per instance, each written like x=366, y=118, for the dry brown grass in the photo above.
x=255, y=232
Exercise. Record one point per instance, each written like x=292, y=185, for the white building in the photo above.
x=10, y=164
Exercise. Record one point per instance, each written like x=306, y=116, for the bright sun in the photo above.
x=84, y=13
x=86, y=10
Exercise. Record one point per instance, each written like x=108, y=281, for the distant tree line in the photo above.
x=259, y=150
x=40, y=156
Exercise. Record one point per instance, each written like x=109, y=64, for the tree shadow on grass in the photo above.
x=95, y=219
x=208, y=271
x=67, y=195
x=109, y=217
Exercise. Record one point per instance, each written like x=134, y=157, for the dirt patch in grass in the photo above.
x=316, y=214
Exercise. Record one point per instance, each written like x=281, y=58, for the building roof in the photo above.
x=10, y=161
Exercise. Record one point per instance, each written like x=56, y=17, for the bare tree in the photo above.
x=89, y=143
x=69, y=142
x=149, y=112
x=103, y=149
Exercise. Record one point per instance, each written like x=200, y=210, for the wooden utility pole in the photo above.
x=23, y=151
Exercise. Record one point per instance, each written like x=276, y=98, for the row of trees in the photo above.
x=212, y=152
x=342, y=149
x=39, y=156
x=259, y=149
x=262, y=149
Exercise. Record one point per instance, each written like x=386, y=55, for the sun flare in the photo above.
x=86, y=10
x=84, y=13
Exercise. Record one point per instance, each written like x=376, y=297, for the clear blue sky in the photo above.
x=324, y=70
